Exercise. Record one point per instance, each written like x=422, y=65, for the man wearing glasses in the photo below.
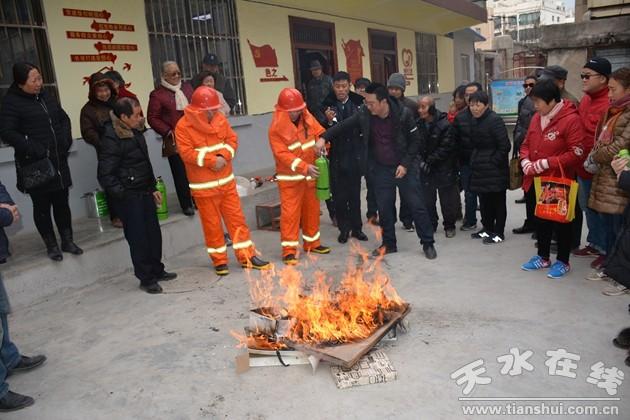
x=593, y=105
x=525, y=113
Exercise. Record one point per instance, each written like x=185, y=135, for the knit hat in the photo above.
x=315, y=64
x=362, y=81
x=397, y=80
x=554, y=72
x=600, y=65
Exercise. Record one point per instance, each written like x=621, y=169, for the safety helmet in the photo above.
x=289, y=100
x=205, y=98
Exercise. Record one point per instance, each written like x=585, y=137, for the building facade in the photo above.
x=263, y=46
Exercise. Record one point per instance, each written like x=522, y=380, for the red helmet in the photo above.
x=290, y=100
x=205, y=98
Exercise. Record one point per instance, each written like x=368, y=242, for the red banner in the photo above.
x=88, y=58
x=93, y=14
x=264, y=56
x=105, y=36
x=102, y=26
x=354, y=58
x=115, y=47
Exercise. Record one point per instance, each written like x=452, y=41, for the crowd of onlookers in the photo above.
x=374, y=133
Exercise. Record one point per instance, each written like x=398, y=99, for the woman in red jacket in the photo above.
x=554, y=140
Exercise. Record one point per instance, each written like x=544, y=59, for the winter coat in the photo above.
x=6, y=219
x=316, y=91
x=124, y=166
x=406, y=133
x=618, y=263
x=606, y=196
x=95, y=113
x=489, y=161
x=592, y=108
x=410, y=104
x=461, y=133
x=37, y=127
x=163, y=115
x=223, y=85
x=347, y=152
x=200, y=143
x=439, y=150
x=525, y=113
x=561, y=143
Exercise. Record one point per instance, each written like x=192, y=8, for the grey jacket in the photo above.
x=525, y=113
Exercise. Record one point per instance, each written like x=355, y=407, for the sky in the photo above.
x=570, y=4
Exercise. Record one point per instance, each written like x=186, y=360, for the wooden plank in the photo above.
x=348, y=354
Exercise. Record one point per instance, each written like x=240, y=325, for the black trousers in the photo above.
x=576, y=225
x=530, y=207
x=181, y=181
x=42, y=203
x=564, y=232
x=347, y=199
x=142, y=232
x=493, y=211
x=372, y=206
x=385, y=183
x=449, y=197
x=405, y=215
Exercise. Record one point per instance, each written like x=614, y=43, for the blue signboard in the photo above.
x=505, y=96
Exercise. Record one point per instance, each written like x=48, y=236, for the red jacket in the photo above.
x=592, y=107
x=561, y=143
x=162, y=114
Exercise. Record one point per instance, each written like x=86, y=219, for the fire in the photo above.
x=317, y=312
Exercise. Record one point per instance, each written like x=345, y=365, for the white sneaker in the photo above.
x=616, y=289
x=598, y=275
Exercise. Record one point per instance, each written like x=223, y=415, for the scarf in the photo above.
x=613, y=114
x=545, y=120
x=181, y=101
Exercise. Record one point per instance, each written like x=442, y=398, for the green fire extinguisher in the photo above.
x=323, y=181
x=162, y=210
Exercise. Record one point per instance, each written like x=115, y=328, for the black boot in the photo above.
x=68, y=245
x=52, y=248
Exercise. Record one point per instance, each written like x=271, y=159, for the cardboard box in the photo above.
x=373, y=368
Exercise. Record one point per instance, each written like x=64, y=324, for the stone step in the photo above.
x=31, y=277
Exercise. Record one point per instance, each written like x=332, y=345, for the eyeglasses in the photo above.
x=585, y=76
x=528, y=85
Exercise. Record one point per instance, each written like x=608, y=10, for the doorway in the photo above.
x=383, y=55
x=311, y=40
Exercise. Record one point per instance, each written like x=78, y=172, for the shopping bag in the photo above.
x=555, y=197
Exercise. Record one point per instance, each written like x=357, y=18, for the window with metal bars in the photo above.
x=23, y=38
x=186, y=30
x=426, y=60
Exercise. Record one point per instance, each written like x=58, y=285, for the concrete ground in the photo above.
x=117, y=353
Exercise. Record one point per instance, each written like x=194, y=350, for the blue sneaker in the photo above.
x=536, y=263
x=558, y=269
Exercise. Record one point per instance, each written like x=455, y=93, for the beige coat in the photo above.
x=606, y=196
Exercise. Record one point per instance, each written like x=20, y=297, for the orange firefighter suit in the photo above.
x=293, y=147
x=200, y=143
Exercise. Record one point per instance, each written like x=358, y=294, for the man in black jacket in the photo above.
x=345, y=170
x=461, y=134
x=390, y=144
x=126, y=174
x=438, y=164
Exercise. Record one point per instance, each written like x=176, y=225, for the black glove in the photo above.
x=424, y=167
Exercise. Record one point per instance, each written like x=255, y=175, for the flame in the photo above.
x=320, y=313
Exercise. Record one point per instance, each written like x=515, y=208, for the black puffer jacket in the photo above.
x=405, y=129
x=439, y=149
x=124, y=166
x=525, y=113
x=36, y=126
x=461, y=133
x=618, y=264
x=489, y=160
x=346, y=153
